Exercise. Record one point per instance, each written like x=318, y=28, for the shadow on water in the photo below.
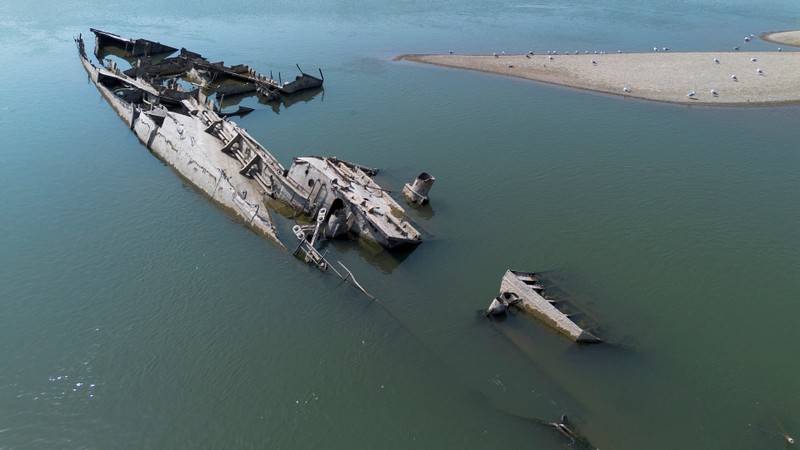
x=546, y=351
x=286, y=100
x=425, y=211
x=561, y=430
x=291, y=99
x=566, y=363
x=568, y=433
x=572, y=297
x=387, y=260
x=226, y=101
x=112, y=50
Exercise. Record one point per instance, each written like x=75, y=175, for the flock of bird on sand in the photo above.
x=714, y=92
x=691, y=95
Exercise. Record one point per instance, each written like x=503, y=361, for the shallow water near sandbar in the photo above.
x=136, y=314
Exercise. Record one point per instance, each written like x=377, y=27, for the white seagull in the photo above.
x=714, y=92
x=550, y=57
x=747, y=39
x=733, y=77
x=716, y=60
x=594, y=62
x=691, y=94
x=759, y=71
x=626, y=89
x=753, y=59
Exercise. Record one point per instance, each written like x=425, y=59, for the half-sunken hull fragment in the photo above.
x=136, y=47
x=524, y=287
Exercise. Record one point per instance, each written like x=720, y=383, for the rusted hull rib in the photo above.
x=522, y=287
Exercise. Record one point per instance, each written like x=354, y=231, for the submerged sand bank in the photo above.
x=783, y=37
x=662, y=76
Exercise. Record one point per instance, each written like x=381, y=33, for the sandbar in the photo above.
x=783, y=37
x=733, y=78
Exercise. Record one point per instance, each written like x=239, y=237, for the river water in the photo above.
x=136, y=314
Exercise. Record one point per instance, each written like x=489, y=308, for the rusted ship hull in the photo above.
x=235, y=170
x=179, y=140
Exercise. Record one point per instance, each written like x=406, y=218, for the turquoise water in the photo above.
x=136, y=314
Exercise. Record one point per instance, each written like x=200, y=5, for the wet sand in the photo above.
x=661, y=76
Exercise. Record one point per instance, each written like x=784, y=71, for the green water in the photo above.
x=136, y=314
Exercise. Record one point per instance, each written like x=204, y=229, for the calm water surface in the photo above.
x=136, y=314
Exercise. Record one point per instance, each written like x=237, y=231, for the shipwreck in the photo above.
x=523, y=290
x=185, y=129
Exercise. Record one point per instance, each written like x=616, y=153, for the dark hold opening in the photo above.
x=159, y=120
x=335, y=206
x=424, y=176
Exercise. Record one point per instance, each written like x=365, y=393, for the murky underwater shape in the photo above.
x=172, y=325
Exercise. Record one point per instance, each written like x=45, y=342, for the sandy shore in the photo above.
x=783, y=37
x=660, y=76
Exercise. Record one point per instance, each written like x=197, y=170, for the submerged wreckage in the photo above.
x=523, y=290
x=233, y=80
x=187, y=131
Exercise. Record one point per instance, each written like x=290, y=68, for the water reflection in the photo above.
x=226, y=101
x=373, y=253
x=425, y=211
x=287, y=101
x=105, y=51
